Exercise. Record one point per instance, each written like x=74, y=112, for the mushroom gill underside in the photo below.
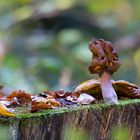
x=123, y=89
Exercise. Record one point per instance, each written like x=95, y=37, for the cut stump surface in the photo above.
x=96, y=120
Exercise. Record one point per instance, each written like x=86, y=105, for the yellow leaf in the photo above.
x=4, y=110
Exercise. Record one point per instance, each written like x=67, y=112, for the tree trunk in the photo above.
x=98, y=122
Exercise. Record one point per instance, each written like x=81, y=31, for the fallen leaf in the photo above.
x=53, y=102
x=6, y=103
x=14, y=102
x=37, y=106
x=39, y=99
x=41, y=103
x=22, y=97
x=47, y=100
x=72, y=98
x=85, y=99
x=5, y=111
x=65, y=102
x=58, y=93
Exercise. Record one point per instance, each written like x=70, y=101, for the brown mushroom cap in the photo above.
x=91, y=87
x=123, y=89
x=126, y=89
x=104, y=57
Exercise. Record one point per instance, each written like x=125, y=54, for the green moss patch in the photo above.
x=62, y=110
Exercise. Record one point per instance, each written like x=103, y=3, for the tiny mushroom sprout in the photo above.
x=105, y=63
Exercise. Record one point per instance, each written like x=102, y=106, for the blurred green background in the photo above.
x=44, y=43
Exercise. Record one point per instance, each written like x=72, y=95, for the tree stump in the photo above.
x=97, y=122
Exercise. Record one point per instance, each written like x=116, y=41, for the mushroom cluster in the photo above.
x=105, y=63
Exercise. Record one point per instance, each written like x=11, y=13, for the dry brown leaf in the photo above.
x=48, y=100
x=37, y=106
x=39, y=99
x=22, y=97
x=58, y=94
x=53, y=102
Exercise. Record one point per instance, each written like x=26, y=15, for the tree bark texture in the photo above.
x=98, y=123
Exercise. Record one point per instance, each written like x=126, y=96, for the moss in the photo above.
x=63, y=110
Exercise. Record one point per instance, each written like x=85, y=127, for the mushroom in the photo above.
x=123, y=89
x=105, y=63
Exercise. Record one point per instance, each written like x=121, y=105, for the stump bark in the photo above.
x=97, y=121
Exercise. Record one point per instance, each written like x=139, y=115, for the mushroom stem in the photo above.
x=108, y=92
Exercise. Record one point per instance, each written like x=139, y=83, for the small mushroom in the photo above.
x=105, y=63
x=123, y=89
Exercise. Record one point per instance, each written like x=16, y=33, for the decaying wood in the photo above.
x=97, y=123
